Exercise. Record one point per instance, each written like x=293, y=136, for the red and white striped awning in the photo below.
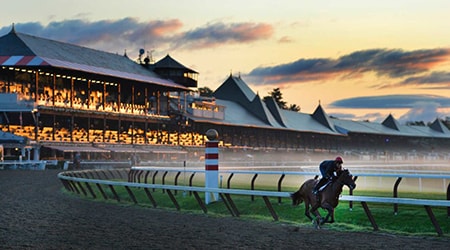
x=22, y=61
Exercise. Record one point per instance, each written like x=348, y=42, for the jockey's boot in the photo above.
x=317, y=194
x=317, y=186
x=316, y=190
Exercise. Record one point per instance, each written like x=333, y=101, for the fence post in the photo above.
x=211, y=164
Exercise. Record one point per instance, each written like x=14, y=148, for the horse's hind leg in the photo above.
x=307, y=212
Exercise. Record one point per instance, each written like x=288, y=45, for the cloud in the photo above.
x=106, y=35
x=394, y=63
x=285, y=39
x=215, y=34
x=438, y=79
x=420, y=107
x=390, y=101
x=422, y=111
x=130, y=33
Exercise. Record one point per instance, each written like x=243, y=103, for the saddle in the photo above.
x=325, y=185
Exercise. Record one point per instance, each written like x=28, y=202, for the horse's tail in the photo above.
x=297, y=198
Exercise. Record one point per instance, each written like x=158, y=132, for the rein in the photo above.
x=342, y=185
x=339, y=181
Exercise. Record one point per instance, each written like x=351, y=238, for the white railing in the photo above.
x=23, y=164
x=72, y=181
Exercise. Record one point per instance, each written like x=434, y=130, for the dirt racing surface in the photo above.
x=36, y=214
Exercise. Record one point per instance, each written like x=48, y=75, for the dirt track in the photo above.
x=35, y=214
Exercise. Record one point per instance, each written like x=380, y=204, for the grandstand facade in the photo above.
x=56, y=94
x=58, y=99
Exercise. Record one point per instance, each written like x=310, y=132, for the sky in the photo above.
x=360, y=60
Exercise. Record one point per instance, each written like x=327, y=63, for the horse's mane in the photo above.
x=343, y=171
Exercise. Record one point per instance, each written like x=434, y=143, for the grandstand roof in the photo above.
x=17, y=49
x=348, y=126
x=305, y=123
x=245, y=108
x=169, y=63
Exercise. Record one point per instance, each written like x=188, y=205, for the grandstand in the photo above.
x=57, y=94
x=57, y=99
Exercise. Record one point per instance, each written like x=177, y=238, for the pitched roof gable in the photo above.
x=257, y=108
x=169, y=62
x=234, y=89
x=275, y=110
x=390, y=122
x=438, y=126
x=15, y=45
x=322, y=117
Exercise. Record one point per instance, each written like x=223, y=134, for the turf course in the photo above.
x=410, y=220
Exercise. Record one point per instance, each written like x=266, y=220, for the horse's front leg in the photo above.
x=332, y=216
x=329, y=215
x=318, y=219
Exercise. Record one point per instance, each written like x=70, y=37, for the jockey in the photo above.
x=327, y=169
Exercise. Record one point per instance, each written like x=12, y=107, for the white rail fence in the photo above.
x=85, y=181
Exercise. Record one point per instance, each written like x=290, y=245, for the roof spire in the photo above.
x=13, y=29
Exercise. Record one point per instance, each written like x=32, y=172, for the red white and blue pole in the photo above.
x=211, y=165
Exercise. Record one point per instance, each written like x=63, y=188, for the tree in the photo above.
x=294, y=107
x=415, y=123
x=278, y=97
x=205, y=91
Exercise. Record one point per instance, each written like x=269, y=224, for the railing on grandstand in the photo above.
x=130, y=136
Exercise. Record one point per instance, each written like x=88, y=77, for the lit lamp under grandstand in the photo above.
x=211, y=164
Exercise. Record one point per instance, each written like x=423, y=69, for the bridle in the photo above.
x=342, y=172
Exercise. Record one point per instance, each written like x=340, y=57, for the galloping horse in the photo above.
x=328, y=198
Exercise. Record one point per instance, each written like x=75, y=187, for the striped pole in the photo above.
x=211, y=165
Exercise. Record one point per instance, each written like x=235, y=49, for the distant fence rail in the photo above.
x=22, y=164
